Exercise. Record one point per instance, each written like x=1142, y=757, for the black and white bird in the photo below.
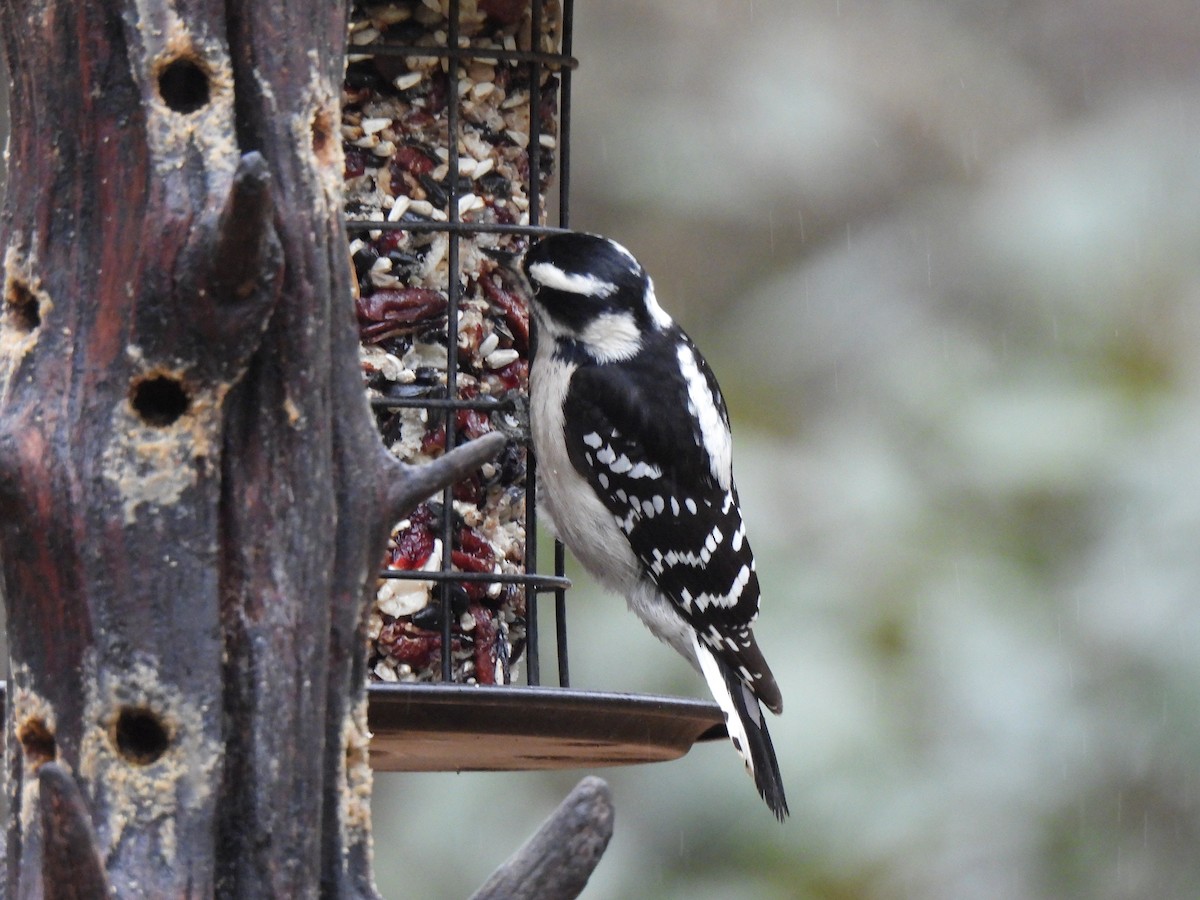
x=634, y=455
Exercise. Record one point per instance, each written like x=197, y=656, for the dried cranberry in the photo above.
x=475, y=554
x=513, y=308
x=391, y=240
x=473, y=423
x=416, y=119
x=426, y=515
x=388, y=310
x=356, y=160
x=477, y=545
x=469, y=491
x=514, y=376
x=405, y=305
x=412, y=160
x=412, y=547
x=486, y=633
x=503, y=12
x=503, y=215
x=407, y=644
x=433, y=442
x=468, y=562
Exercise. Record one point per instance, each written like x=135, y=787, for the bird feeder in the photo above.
x=456, y=123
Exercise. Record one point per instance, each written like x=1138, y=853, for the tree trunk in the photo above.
x=193, y=497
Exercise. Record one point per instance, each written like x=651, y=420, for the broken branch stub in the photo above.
x=71, y=866
x=559, y=858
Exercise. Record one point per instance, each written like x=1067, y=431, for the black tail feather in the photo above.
x=761, y=751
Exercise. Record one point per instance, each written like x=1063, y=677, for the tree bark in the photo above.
x=193, y=497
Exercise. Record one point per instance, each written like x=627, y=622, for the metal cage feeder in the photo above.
x=455, y=114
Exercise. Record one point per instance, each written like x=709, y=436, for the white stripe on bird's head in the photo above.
x=549, y=275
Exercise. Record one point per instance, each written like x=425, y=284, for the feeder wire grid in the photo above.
x=542, y=72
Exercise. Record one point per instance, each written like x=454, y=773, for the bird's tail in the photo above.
x=747, y=730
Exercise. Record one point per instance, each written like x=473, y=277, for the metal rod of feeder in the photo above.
x=453, y=290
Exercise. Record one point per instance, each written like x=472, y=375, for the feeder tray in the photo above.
x=467, y=728
x=454, y=727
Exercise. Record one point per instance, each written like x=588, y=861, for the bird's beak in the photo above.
x=508, y=259
x=509, y=262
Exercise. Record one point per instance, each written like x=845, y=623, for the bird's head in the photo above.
x=591, y=291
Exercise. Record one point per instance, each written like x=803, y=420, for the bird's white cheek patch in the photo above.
x=612, y=337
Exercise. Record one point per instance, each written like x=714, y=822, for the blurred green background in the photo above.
x=945, y=258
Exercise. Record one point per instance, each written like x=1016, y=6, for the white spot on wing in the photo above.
x=645, y=470
x=730, y=599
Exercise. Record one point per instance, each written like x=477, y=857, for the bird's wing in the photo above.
x=654, y=476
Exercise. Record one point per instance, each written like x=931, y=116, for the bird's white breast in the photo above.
x=579, y=519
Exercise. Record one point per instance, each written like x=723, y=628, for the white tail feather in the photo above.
x=720, y=691
x=747, y=730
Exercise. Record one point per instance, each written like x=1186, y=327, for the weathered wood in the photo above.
x=559, y=858
x=194, y=498
x=71, y=867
